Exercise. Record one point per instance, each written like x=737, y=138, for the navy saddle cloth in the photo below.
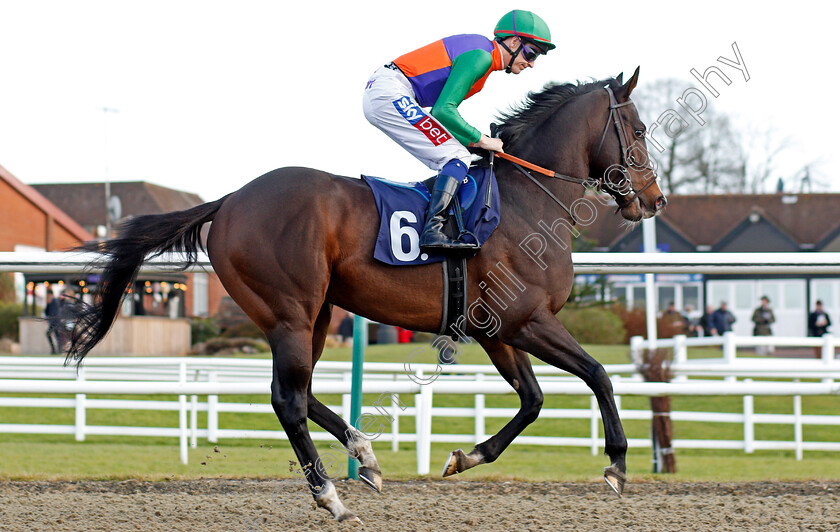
x=402, y=213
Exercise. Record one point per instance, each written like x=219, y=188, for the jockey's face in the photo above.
x=520, y=63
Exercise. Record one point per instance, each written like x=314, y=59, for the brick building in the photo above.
x=736, y=223
x=30, y=222
x=85, y=203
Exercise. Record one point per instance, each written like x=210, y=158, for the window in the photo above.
x=691, y=297
x=773, y=291
x=744, y=298
x=638, y=296
x=794, y=295
x=666, y=295
x=200, y=297
x=824, y=291
x=718, y=293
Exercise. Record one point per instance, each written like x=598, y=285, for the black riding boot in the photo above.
x=433, y=238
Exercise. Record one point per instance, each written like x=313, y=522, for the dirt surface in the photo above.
x=419, y=505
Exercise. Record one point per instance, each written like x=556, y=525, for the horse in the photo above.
x=294, y=242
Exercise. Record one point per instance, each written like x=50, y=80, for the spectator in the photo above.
x=706, y=322
x=55, y=327
x=345, y=329
x=722, y=319
x=818, y=324
x=692, y=324
x=675, y=320
x=762, y=318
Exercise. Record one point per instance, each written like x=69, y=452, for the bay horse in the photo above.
x=296, y=241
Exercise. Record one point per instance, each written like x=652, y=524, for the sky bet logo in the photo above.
x=425, y=123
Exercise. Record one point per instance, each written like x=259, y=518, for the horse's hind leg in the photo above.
x=353, y=441
x=513, y=364
x=292, y=372
x=546, y=338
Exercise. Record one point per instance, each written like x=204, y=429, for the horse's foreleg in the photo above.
x=355, y=443
x=547, y=339
x=292, y=372
x=514, y=366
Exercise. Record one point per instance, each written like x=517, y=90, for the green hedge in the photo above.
x=203, y=329
x=593, y=325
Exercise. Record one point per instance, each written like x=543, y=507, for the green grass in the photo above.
x=111, y=457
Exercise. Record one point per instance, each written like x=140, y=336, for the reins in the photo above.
x=614, y=117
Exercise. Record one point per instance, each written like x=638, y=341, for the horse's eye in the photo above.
x=640, y=133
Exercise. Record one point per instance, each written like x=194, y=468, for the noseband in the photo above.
x=626, y=160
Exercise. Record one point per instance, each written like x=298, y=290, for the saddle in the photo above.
x=474, y=215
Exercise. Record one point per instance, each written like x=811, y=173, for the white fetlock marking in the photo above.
x=359, y=447
x=328, y=498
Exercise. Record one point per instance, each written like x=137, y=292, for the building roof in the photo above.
x=45, y=205
x=85, y=202
x=707, y=220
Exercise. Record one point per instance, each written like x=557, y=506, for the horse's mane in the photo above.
x=539, y=106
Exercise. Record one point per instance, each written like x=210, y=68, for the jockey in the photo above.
x=441, y=76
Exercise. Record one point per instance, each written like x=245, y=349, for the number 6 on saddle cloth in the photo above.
x=402, y=208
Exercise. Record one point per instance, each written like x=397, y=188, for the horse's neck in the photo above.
x=528, y=203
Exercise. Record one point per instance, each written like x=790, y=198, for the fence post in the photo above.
x=346, y=399
x=212, y=412
x=395, y=424
x=81, y=412
x=680, y=355
x=593, y=424
x=828, y=352
x=749, y=425
x=423, y=425
x=182, y=414
x=194, y=421
x=615, y=380
x=729, y=348
x=479, y=412
x=636, y=346
x=797, y=425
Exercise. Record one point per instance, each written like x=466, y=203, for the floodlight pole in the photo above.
x=107, y=110
x=649, y=240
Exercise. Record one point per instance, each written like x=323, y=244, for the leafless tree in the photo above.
x=713, y=157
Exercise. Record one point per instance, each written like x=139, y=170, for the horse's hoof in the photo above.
x=615, y=479
x=372, y=478
x=349, y=517
x=455, y=463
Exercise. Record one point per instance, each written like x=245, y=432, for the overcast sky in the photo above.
x=209, y=95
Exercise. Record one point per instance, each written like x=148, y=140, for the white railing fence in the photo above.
x=193, y=379
x=199, y=383
x=729, y=343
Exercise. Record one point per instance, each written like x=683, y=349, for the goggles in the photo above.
x=529, y=53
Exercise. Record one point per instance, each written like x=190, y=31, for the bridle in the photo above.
x=626, y=160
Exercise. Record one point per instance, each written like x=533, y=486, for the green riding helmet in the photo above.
x=526, y=25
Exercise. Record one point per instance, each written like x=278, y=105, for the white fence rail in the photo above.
x=192, y=379
x=585, y=263
x=729, y=343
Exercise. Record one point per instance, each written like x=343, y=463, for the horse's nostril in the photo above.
x=661, y=202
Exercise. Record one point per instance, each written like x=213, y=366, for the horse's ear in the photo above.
x=620, y=78
x=623, y=92
x=631, y=83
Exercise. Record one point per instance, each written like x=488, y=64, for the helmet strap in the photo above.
x=510, y=52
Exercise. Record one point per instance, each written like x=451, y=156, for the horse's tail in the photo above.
x=137, y=239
